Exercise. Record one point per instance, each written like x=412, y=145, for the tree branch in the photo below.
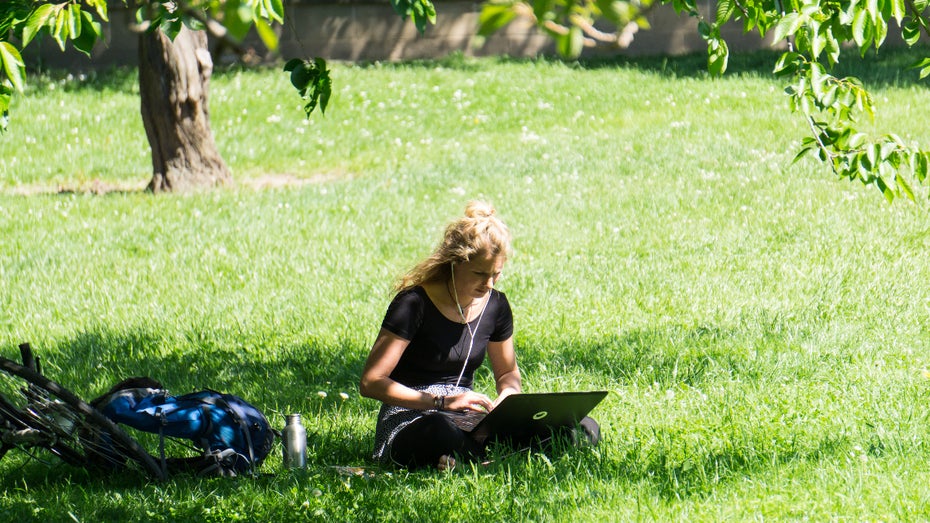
x=815, y=131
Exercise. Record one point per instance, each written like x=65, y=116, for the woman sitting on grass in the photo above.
x=445, y=317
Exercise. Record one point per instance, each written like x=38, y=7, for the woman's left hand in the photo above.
x=504, y=393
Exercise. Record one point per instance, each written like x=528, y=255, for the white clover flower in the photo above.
x=321, y=394
x=344, y=396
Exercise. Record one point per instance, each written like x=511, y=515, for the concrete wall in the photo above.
x=370, y=30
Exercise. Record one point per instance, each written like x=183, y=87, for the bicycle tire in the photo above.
x=79, y=434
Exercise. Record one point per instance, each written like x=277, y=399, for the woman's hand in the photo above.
x=504, y=393
x=470, y=400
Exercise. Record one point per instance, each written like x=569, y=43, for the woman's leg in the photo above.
x=424, y=441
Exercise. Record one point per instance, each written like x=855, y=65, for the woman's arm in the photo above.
x=504, y=364
x=376, y=379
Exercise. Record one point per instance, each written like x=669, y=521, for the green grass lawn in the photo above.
x=761, y=325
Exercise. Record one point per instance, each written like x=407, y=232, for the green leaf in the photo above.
x=818, y=42
x=807, y=145
x=61, y=26
x=493, y=17
x=872, y=8
x=267, y=34
x=237, y=18
x=704, y=29
x=275, y=10
x=832, y=47
x=873, y=154
x=921, y=165
x=886, y=151
x=6, y=96
x=725, y=10
x=860, y=28
x=923, y=65
x=898, y=10
x=787, y=64
x=292, y=64
x=41, y=18
x=886, y=191
x=818, y=78
x=905, y=188
x=788, y=25
x=312, y=81
x=717, y=57
x=856, y=140
x=925, y=72
x=100, y=6
x=880, y=31
x=90, y=32
x=571, y=44
x=171, y=27
x=910, y=32
x=301, y=76
x=829, y=96
x=74, y=20
x=13, y=65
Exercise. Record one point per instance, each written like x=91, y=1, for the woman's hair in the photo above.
x=479, y=232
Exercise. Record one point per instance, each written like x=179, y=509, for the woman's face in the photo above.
x=474, y=278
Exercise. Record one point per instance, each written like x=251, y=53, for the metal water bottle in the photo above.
x=294, y=438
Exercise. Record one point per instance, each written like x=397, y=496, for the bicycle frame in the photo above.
x=50, y=417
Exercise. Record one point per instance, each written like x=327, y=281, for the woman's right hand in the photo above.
x=470, y=400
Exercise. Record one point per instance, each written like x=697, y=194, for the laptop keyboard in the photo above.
x=465, y=420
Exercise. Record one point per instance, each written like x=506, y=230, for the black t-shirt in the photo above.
x=438, y=345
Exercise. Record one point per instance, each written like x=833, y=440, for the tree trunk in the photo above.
x=173, y=81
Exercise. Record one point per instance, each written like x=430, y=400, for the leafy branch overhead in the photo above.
x=815, y=32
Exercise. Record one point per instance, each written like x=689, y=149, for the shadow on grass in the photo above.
x=888, y=67
x=277, y=376
x=92, y=361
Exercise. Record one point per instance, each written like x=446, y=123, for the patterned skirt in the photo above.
x=392, y=420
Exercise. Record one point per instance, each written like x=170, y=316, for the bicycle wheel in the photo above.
x=37, y=412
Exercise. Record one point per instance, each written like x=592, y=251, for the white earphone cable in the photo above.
x=471, y=332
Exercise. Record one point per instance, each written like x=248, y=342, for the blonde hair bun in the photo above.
x=479, y=209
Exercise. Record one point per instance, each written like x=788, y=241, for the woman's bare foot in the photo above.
x=446, y=462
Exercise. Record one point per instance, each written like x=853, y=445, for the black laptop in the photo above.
x=521, y=417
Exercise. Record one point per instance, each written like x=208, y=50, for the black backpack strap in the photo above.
x=220, y=401
x=161, y=440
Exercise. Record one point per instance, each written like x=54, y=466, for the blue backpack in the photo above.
x=234, y=435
